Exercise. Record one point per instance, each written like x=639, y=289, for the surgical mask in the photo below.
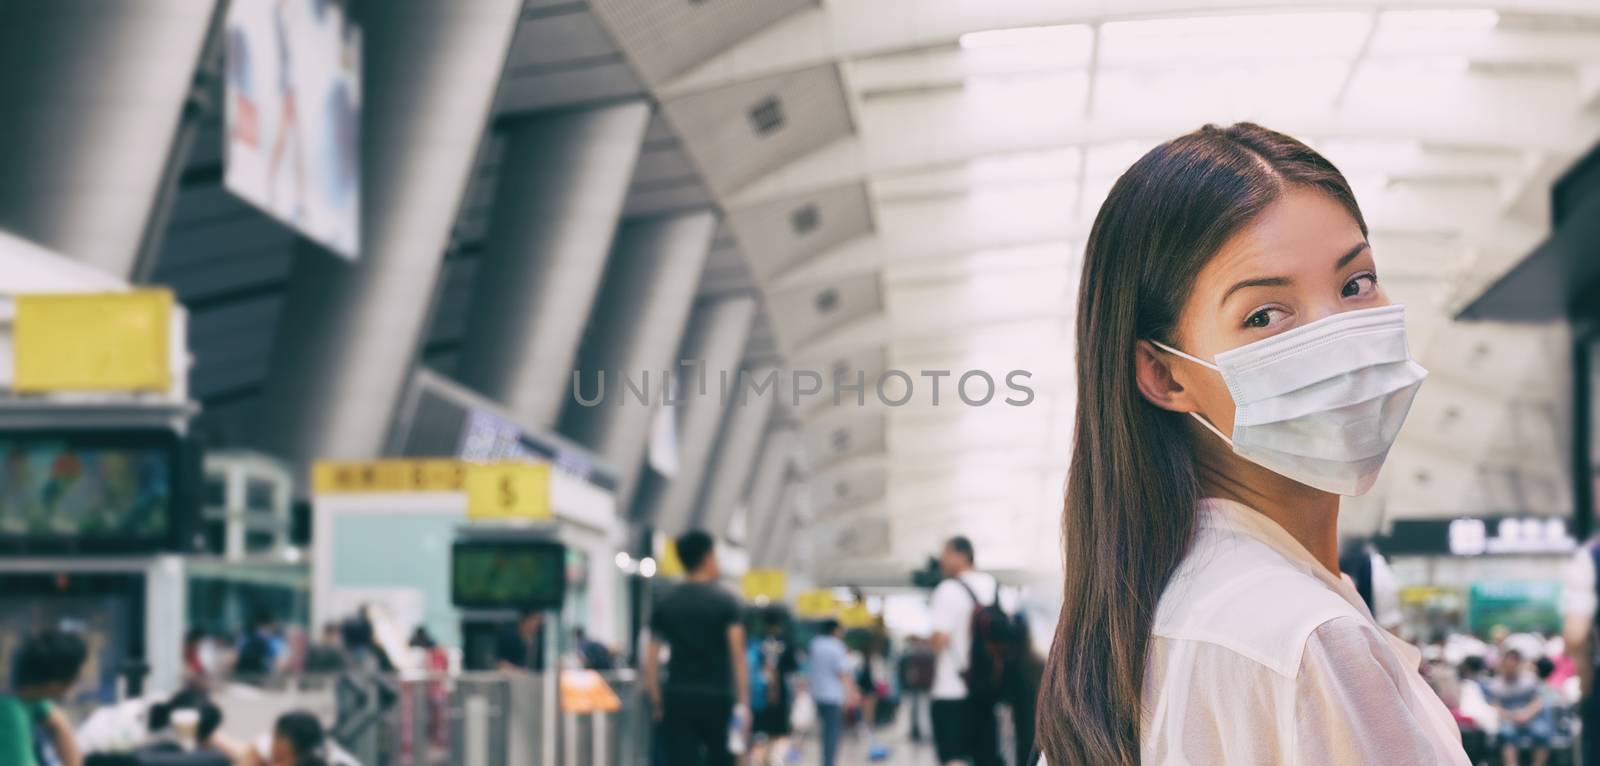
x=1322, y=403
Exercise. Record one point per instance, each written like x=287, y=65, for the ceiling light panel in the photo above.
x=1223, y=91
x=1172, y=42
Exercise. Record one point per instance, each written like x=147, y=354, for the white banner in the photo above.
x=293, y=116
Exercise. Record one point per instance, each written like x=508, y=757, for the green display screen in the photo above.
x=508, y=575
x=1531, y=606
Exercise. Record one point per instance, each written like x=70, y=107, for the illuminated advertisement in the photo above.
x=86, y=492
x=508, y=575
x=293, y=116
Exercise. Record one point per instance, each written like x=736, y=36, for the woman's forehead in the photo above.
x=1304, y=227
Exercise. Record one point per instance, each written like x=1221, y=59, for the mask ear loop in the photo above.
x=1203, y=363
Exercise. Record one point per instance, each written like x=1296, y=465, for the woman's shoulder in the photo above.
x=1263, y=610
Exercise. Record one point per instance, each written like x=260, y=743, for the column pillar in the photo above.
x=563, y=180
x=350, y=331
x=648, y=291
x=766, y=550
x=734, y=461
x=716, y=341
x=766, y=488
x=92, y=94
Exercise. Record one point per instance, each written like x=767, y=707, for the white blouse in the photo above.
x=1260, y=655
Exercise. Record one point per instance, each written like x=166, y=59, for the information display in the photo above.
x=89, y=491
x=508, y=574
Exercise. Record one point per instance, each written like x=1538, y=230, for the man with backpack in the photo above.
x=978, y=650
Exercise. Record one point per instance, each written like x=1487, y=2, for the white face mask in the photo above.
x=1322, y=403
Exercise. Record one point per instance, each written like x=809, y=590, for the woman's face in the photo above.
x=1303, y=259
x=282, y=753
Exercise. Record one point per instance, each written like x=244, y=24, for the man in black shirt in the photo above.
x=521, y=646
x=707, y=679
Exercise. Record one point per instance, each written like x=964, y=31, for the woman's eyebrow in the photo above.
x=1262, y=282
x=1344, y=260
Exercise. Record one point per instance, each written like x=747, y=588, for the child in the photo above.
x=43, y=669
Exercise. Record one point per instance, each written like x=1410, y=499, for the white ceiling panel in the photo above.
x=778, y=236
x=839, y=433
x=665, y=38
x=805, y=315
x=738, y=133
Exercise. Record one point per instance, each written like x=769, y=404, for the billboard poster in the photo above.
x=293, y=116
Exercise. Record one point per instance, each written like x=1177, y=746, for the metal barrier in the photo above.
x=485, y=719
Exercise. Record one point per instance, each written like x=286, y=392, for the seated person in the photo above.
x=43, y=669
x=141, y=729
x=1555, y=705
x=1525, y=722
x=297, y=739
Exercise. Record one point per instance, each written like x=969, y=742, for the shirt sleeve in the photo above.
x=952, y=608
x=1352, y=707
x=1577, y=587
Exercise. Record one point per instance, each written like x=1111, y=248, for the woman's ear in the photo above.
x=1153, y=371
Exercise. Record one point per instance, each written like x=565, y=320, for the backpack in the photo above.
x=757, y=661
x=255, y=656
x=916, y=671
x=999, y=643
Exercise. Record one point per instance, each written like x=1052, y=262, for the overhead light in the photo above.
x=805, y=219
x=1059, y=34
x=647, y=567
x=1434, y=21
x=1169, y=41
x=826, y=301
x=766, y=117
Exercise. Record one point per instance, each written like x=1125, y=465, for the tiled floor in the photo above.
x=854, y=750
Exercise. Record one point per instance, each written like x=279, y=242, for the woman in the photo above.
x=297, y=740
x=1239, y=369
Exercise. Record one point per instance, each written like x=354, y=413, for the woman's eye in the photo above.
x=1261, y=318
x=1359, y=285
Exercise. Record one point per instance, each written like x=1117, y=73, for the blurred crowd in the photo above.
x=1514, y=695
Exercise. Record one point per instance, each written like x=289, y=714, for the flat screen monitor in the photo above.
x=83, y=491
x=507, y=574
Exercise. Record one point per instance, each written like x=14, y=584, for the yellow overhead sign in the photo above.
x=509, y=491
x=816, y=604
x=768, y=584
x=495, y=491
x=354, y=476
x=93, y=342
x=668, y=564
x=857, y=616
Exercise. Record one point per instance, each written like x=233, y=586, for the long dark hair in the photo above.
x=305, y=736
x=1133, y=486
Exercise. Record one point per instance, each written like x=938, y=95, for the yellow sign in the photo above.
x=93, y=342
x=1421, y=595
x=816, y=604
x=351, y=476
x=857, y=616
x=669, y=565
x=765, y=584
x=508, y=491
x=584, y=691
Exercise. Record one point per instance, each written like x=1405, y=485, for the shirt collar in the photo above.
x=1232, y=517
x=1237, y=518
